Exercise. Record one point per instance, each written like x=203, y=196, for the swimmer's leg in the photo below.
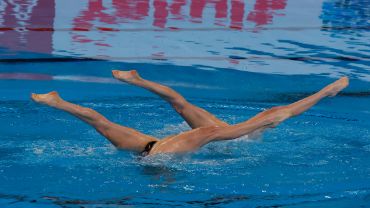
x=196, y=117
x=120, y=136
x=301, y=106
x=276, y=115
x=191, y=140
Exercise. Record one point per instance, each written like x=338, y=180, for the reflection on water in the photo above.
x=354, y=13
x=123, y=11
x=29, y=24
x=203, y=33
x=264, y=11
x=17, y=16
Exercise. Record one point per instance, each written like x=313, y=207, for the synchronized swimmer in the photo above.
x=206, y=127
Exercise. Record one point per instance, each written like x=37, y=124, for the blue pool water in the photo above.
x=233, y=58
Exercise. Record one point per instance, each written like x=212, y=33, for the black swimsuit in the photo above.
x=147, y=148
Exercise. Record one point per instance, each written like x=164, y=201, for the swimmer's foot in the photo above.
x=131, y=77
x=337, y=86
x=51, y=98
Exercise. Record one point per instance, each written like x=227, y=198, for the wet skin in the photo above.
x=205, y=126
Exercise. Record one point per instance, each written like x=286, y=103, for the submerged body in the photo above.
x=205, y=126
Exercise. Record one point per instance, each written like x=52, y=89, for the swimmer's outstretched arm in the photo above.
x=196, y=117
x=120, y=136
x=192, y=140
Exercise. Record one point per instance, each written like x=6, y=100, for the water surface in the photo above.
x=233, y=58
